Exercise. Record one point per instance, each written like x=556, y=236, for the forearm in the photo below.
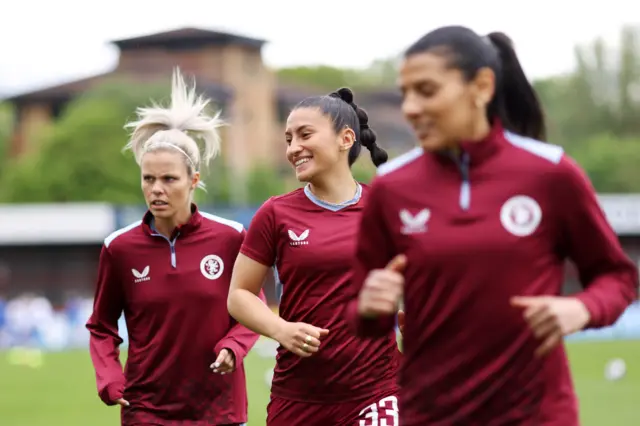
x=105, y=356
x=253, y=313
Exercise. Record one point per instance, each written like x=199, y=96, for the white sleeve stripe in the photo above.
x=400, y=161
x=231, y=223
x=120, y=231
x=551, y=153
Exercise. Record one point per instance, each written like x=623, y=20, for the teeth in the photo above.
x=301, y=161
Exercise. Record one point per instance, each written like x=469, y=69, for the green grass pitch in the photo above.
x=62, y=391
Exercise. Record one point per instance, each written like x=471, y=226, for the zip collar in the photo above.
x=192, y=225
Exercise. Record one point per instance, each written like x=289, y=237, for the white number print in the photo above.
x=381, y=413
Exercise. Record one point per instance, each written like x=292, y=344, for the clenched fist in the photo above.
x=382, y=290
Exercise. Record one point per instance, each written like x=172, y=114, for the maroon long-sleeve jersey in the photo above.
x=311, y=243
x=173, y=293
x=496, y=221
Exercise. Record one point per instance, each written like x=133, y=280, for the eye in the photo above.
x=427, y=90
x=305, y=135
x=148, y=178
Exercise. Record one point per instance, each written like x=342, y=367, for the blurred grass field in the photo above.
x=62, y=391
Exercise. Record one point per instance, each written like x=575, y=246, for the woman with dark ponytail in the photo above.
x=473, y=229
x=324, y=375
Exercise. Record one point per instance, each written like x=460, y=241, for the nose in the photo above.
x=293, y=149
x=156, y=188
x=410, y=106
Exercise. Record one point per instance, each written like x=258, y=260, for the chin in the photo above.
x=162, y=214
x=432, y=144
x=304, y=176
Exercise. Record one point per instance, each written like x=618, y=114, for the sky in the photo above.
x=44, y=43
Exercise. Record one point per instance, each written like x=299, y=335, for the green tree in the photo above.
x=380, y=73
x=80, y=159
x=263, y=183
x=6, y=127
x=593, y=111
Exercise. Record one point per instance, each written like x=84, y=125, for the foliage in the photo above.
x=381, y=73
x=591, y=111
x=80, y=158
x=263, y=183
x=6, y=126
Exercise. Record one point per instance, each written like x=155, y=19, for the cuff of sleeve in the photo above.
x=229, y=344
x=593, y=306
x=111, y=393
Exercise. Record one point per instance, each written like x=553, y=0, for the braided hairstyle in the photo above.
x=343, y=112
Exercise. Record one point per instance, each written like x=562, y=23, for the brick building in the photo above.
x=228, y=68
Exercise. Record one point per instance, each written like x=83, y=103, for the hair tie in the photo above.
x=364, y=126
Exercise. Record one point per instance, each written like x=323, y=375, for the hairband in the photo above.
x=167, y=144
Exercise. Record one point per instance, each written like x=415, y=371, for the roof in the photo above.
x=59, y=92
x=187, y=37
x=65, y=91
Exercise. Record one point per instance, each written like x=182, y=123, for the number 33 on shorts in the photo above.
x=381, y=413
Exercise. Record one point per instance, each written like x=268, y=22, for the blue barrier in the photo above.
x=65, y=329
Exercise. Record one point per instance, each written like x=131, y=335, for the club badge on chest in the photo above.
x=211, y=267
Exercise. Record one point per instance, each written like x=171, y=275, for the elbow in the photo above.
x=629, y=283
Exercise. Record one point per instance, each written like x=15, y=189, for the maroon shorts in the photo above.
x=378, y=410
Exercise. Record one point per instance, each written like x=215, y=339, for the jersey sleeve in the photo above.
x=260, y=241
x=104, y=340
x=374, y=249
x=609, y=277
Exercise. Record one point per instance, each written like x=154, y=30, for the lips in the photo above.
x=300, y=161
x=159, y=203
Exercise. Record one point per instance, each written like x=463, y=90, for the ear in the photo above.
x=195, y=180
x=346, y=138
x=483, y=87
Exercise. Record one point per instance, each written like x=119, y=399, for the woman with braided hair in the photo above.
x=324, y=375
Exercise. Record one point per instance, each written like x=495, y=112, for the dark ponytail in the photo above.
x=515, y=102
x=365, y=136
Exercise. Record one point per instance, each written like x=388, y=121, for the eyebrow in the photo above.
x=298, y=129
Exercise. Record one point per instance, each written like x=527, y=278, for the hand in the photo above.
x=401, y=322
x=122, y=402
x=383, y=289
x=300, y=338
x=225, y=363
x=552, y=317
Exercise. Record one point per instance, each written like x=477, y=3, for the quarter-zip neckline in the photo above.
x=192, y=225
x=469, y=154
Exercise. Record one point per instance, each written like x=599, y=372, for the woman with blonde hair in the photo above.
x=170, y=274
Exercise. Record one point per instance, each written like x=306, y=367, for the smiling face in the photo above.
x=166, y=183
x=313, y=146
x=440, y=104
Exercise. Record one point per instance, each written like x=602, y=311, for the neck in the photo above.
x=480, y=131
x=166, y=226
x=335, y=188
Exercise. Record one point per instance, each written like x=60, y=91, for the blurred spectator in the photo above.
x=29, y=321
